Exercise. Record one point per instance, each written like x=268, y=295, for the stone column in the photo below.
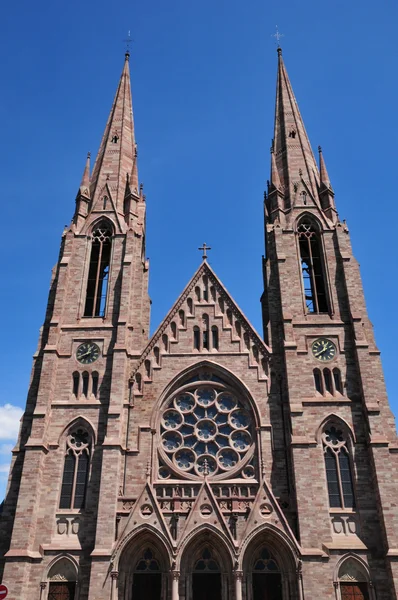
x=114, y=578
x=43, y=586
x=175, y=594
x=300, y=579
x=238, y=584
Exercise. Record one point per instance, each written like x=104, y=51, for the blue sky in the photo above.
x=203, y=78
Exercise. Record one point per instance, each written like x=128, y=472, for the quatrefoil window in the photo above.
x=206, y=429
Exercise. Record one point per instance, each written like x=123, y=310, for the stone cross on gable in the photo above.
x=204, y=248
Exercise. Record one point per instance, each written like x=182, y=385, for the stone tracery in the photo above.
x=206, y=429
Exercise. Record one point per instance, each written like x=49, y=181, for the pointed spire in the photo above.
x=324, y=176
x=292, y=148
x=116, y=154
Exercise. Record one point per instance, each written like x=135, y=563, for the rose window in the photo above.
x=206, y=430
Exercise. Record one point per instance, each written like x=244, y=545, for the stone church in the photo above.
x=206, y=462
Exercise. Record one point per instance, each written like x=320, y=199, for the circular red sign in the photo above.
x=3, y=592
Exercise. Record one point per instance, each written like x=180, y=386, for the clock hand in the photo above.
x=320, y=352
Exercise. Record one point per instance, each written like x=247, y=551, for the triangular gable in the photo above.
x=205, y=511
x=266, y=509
x=146, y=511
x=247, y=329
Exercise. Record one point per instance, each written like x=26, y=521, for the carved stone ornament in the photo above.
x=350, y=571
x=146, y=510
x=206, y=510
x=265, y=510
x=58, y=577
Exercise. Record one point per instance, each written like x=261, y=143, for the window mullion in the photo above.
x=339, y=478
x=312, y=275
x=74, y=480
x=97, y=280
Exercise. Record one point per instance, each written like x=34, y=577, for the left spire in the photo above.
x=115, y=157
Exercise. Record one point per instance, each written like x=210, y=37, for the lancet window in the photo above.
x=338, y=468
x=76, y=467
x=327, y=382
x=98, y=274
x=312, y=268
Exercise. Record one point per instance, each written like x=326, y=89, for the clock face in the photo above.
x=87, y=353
x=323, y=349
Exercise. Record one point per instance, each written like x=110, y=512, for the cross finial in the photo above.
x=128, y=41
x=277, y=35
x=204, y=248
x=205, y=467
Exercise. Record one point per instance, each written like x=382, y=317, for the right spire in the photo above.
x=294, y=158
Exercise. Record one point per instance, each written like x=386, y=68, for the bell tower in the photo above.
x=325, y=366
x=97, y=320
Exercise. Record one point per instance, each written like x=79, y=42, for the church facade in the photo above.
x=206, y=462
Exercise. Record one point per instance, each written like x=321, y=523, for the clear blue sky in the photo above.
x=203, y=78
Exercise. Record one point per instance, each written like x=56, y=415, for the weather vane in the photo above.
x=128, y=41
x=277, y=35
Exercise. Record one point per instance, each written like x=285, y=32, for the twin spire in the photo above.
x=292, y=160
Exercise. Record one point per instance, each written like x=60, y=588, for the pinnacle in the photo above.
x=324, y=176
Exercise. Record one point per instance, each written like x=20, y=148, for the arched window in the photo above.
x=312, y=268
x=76, y=466
x=337, y=381
x=196, y=338
x=205, y=332
x=98, y=274
x=76, y=380
x=318, y=381
x=174, y=329
x=214, y=337
x=327, y=377
x=205, y=289
x=95, y=380
x=338, y=468
x=85, y=379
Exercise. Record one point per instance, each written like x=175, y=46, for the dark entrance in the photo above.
x=147, y=579
x=267, y=586
x=206, y=578
x=206, y=586
x=147, y=586
x=267, y=579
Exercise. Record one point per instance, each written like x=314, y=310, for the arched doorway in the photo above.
x=147, y=578
x=206, y=578
x=62, y=580
x=266, y=577
x=143, y=569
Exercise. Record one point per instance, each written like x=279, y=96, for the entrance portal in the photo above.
x=147, y=586
x=206, y=578
x=206, y=586
x=147, y=579
x=266, y=577
x=267, y=586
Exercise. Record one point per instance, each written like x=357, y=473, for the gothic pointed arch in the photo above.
x=313, y=266
x=269, y=560
x=205, y=565
x=143, y=562
x=96, y=297
x=77, y=444
x=61, y=579
x=352, y=578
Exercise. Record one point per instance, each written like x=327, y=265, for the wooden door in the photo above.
x=354, y=591
x=61, y=591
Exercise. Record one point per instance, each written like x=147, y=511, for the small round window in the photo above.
x=205, y=429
